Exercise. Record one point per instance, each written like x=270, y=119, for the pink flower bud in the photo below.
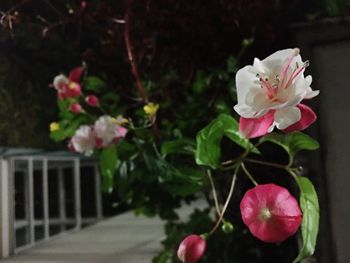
x=92, y=101
x=75, y=108
x=271, y=213
x=191, y=249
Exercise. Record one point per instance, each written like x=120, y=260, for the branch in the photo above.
x=131, y=55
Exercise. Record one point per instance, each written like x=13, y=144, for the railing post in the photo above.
x=30, y=200
x=45, y=199
x=77, y=195
x=7, y=234
x=98, y=196
x=61, y=198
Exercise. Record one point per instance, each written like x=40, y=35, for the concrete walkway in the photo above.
x=121, y=239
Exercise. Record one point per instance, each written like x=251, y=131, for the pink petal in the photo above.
x=285, y=215
x=255, y=127
x=308, y=116
x=75, y=74
x=121, y=131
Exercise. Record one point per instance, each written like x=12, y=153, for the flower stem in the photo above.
x=248, y=174
x=281, y=166
x=131, y=55
x=233, y=182
x=215, y=197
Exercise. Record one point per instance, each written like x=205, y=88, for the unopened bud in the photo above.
x=75, y=108
x=92, y=101
x=191, y=249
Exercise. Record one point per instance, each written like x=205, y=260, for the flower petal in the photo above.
x=75, y=74
x=308, y=116
x=60, y=81
x=286, y=117
x=256, y=127
x=274, y=62
x=245, y=81
x=309, y=92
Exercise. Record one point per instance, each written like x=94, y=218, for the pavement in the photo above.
x=125, y=238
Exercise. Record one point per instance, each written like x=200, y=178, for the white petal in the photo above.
x=308, y=80
x=245, y=80
x=258, y=65
x=309, y=92
x=60, y=80
x=280, y=55
x=257, y=100
x=286, y=117
x=244, y=110
x=83, y=140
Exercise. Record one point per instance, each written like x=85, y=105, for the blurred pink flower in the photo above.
x=108, y=131
x=69, y=87
x=83, y=140
x=75, y=108
x=92, y=101
x=271, y=213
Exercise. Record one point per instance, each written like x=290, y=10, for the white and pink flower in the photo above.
x=69, y=87
x=108, y=131
x=84, y=140
x=270, y=93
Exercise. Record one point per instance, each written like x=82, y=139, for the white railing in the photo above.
x=23, y=167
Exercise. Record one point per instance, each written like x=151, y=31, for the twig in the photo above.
x=276, y=165
x=248, y=174
x=233, y=182
x=53, y=8
x=215, y=197
x=131, y=55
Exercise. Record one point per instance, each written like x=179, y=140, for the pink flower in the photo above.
x=191, y=249
x=108, y=131
x=83, y=140
x=75, y=108
x=69, y=87
x=270, y=92
x=271, y=213
x=92, y=101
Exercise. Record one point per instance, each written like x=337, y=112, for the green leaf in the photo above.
x=232, y=64
x=208, y=140
x=309, y=226
x=201, y=82
x=108, y=164
x=58, y=135
x=292, y=142
x=68, y=128
x=184, y=181
x=93, y=83
x=63, y=106
x=123, y=180
x=180, y=146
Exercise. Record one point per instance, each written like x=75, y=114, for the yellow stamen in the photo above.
x=54, y=126
x=73, y=85
x=121, y=120
x=265, y=214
